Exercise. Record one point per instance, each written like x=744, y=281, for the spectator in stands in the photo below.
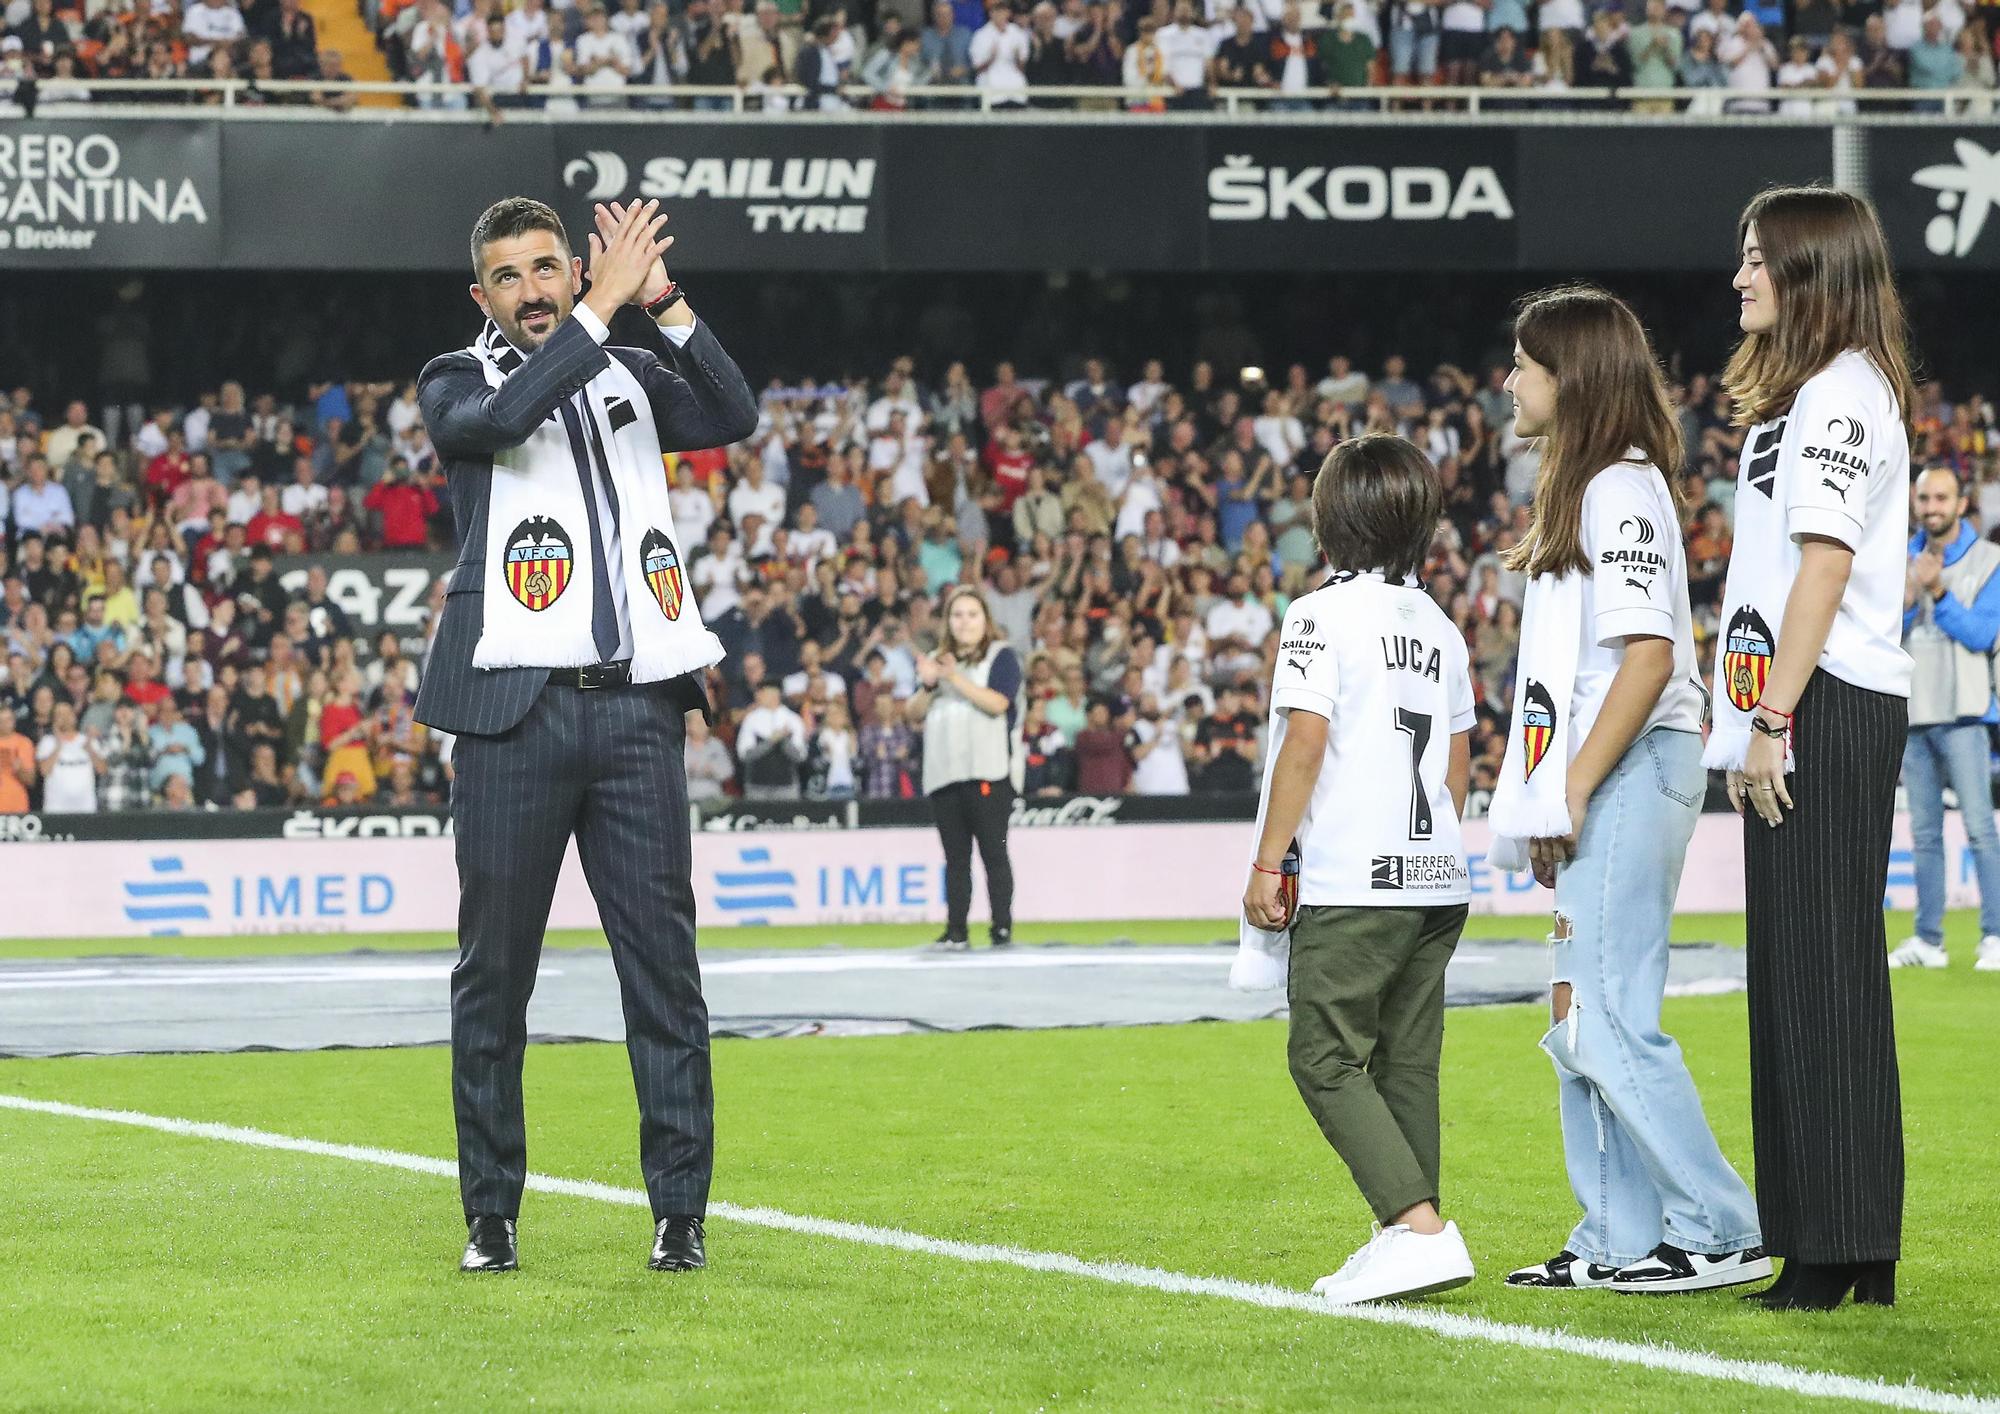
x=405, y=508
x=817, y=72
x=999, y=53
x=333, y=69
x=711, y=55
x=1701, y=69
x=19, y=778
x=1566, y=17
x=209, y=24
x=1752, y=62
x=601, y=59
x=42, y=33
x=767, y=43
x=70, y=765
x=294, y=38
x=771, y=743
x=947, y=46
x=1243, y=57
x=344, y=736
x=177, y=747
x=40, y=504
x=1414, y=40
x=498, y=67
x=1188, y=49
x=1654, y=50
x=709, y=769
x=1226, y=746
x=1881, y=64
x=1934, y=62
x=1345, y=58
x=835, y=748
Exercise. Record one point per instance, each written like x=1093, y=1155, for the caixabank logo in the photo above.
x=1967, y=191
x=76, y=189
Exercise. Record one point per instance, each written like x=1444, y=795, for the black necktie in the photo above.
x=603, y=611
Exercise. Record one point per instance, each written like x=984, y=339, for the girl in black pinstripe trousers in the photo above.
x=1812, y=697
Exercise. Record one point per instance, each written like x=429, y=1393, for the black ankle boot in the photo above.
x=1876, y=1286
x=1779, y=1289
x=1818, y=1286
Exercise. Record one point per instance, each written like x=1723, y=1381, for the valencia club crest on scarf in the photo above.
x=539, y=560
x=1538, y=725
x=663, y=572
x=1746, y=658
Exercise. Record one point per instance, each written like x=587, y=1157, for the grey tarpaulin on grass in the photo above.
x=117, y=1005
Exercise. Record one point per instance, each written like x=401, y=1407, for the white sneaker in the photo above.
x=1915, y=952
x=1397, y=1262
x=1672, y=1268
x=1989, y=955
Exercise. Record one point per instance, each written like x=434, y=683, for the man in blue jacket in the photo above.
x=1951, y=619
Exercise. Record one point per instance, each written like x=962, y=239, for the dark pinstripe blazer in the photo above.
x=700, y=401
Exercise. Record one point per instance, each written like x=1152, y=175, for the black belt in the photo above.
x=617, y=674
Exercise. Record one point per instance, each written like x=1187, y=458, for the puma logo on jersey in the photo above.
x=1295, y=663
x=1830, y=484
x=1400, y=652
x=1640, y=585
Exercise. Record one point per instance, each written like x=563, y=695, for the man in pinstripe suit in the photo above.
x=546, y=754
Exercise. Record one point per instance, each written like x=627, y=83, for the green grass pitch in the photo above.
x=149, y=1271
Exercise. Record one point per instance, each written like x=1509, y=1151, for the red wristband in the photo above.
x=1262, y=870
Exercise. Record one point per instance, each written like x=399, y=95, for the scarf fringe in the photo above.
x=689, y=653
x=1532, y=819
x=1727, y=746
x=509, y=655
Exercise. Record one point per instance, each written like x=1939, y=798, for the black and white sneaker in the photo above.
x=948, y=943
x=1563, y=1272
x=1671, y=1269
x=1003, y=937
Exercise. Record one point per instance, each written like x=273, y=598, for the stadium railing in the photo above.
x=237, y=96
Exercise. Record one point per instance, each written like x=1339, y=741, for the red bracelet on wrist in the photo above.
x=1262, y=870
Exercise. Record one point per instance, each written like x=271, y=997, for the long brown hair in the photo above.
x=1829, y=266
x=987, y=639
x=1610, y=398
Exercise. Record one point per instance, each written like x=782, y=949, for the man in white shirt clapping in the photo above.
x=999, y=55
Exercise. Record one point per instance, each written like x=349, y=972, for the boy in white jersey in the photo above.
x=1371, y=710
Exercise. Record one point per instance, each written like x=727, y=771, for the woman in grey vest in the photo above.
x=971, y=707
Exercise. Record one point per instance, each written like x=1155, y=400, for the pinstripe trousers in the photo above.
x=1825, y=1096
x=605, y=766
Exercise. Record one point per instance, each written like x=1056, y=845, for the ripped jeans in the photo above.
x=1642, y=1161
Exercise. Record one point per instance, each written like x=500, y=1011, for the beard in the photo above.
x=529, y=332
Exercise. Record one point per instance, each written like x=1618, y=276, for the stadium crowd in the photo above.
x=1753, y=54
x=1138, y=536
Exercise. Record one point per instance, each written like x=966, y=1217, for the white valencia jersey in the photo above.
x=1388, y=671
x=1838, y=465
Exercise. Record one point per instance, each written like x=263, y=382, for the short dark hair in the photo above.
x=513, y=216
x=1376, y=504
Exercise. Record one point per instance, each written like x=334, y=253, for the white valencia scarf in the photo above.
x=1531, y=800
x=540, y=587
x=1761, y=570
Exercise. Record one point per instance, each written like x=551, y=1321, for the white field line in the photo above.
x=1763, y=1374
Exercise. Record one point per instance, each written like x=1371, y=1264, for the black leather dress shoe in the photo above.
x=489, y=1245
x=677, y=1245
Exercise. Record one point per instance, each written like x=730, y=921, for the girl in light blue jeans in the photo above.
x=1641, y=1159
x=1603, y=781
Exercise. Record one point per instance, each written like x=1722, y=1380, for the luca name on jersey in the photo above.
x=1400, y=652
